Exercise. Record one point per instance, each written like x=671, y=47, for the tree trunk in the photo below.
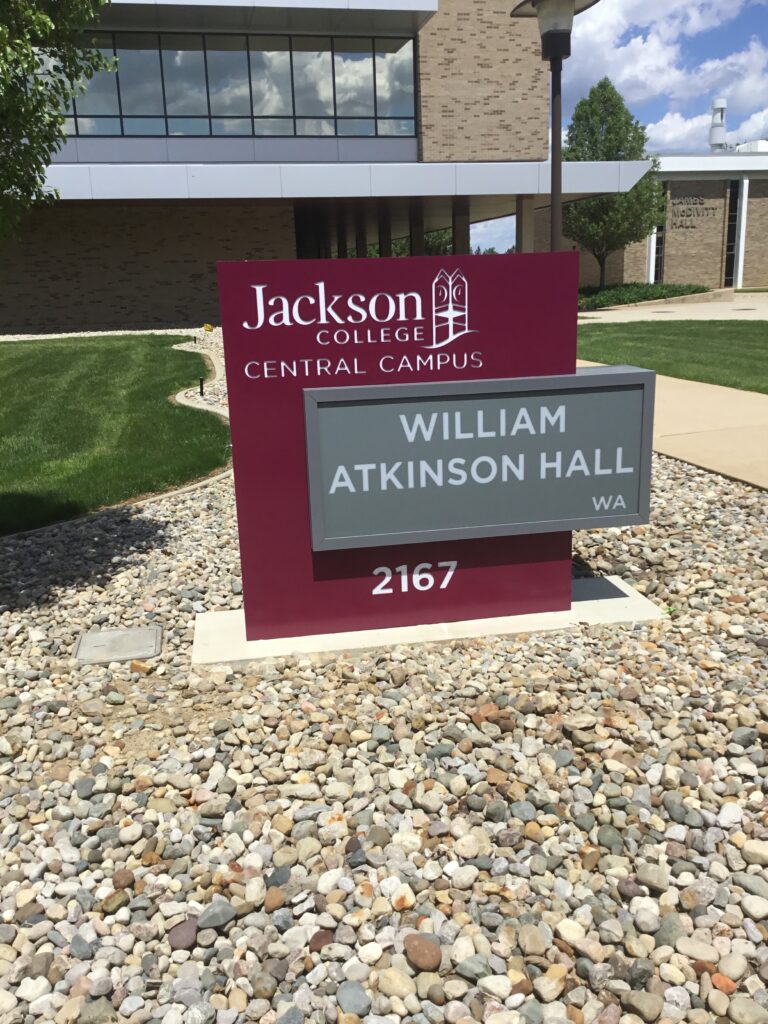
x=602, y=260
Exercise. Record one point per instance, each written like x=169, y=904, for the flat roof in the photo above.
x=714, y=165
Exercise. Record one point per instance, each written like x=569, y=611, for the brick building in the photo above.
x=255, y=129
x=716, y=228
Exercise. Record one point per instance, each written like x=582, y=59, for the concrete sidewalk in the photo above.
x=722, y=429
x=743, y=306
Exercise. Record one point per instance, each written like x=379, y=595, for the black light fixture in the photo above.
x=555, y=24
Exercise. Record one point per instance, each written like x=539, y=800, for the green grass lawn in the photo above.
x=715, y=352
x=86, y=422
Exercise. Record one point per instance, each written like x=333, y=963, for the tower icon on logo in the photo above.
x=450, y=308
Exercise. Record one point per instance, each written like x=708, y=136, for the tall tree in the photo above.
x=44, y=62
x=602, y=128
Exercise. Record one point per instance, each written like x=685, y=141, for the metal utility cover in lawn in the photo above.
x=102, y=646
x=429, y=462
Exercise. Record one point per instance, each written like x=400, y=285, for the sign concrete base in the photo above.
x=608, y=600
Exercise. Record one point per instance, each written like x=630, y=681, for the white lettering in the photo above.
x=508, y=466
x=491, y=472
x=578, y=464
x=556, y=465
x=458, y=475
x=418, y=425
x=522, y=422
x=365, y=471
x=552, y=419
x=372, y=306
x=388, y=476
x=342, y=479
x=619, y=467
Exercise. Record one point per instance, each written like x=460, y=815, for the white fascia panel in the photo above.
x=426, y=6
x=334, y=181
x=413, y=179
x=235, y=181
x=139, y=181
x=72, y=181
x=630, y=172
x=729, y=165
x=497, y=179
x=337, y=180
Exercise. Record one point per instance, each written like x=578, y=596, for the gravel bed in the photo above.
x=561, y=828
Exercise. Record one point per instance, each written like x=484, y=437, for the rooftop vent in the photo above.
x=717, y=141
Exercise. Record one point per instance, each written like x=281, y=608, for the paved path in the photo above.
x=722, y=429
x=744, y=306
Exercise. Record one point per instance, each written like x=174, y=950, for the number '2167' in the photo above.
x=420, y=578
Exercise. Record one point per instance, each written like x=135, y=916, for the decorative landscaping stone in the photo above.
x=568, y=828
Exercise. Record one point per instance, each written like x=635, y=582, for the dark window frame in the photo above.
x=334, y=117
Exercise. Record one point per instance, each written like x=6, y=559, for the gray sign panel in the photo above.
x=444, y=461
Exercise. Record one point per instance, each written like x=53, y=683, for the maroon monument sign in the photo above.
x=291, y=326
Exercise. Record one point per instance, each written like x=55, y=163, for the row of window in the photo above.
x=190, y=84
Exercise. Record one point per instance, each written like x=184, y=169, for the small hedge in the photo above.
x=624, y=294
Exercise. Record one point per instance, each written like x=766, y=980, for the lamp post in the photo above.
x=555, y=24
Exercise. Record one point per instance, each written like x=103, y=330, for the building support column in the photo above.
x=461, y=232
x=361, y=232
x=341, y=233
x=741, y=234
x=651, y=265
x=385, y=229
x=417, y=228
x=525, y=225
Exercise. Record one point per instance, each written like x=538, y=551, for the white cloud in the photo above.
x=494, y=234
x=675, y=133
x=641, y=46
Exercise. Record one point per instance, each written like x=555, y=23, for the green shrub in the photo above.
x=624, y=294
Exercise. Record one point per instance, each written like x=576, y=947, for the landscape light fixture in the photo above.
x=555, y=23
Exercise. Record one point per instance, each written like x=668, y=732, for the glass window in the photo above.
x=271, y=75
x=273, y=126
x=396, y=126
x=138, y=73
x=100, y=96
x=228, y=85
x=188, y=126
x=184, y=74
x=314, y=126
x=312, y=76
x=238, y=85
x=356, y=126
x=353, y=68
x=232, y=126
x=98, y=126
x=394, y=78
x=69, y=125
x=144, y=125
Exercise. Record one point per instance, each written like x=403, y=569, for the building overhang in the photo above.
x=385, y=17
x=715, y=166
x=488, y=184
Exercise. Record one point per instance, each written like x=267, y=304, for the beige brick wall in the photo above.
x=694, y=247
x=483, y=85
x=79, y=266
x=636, y=262
x=756, y=251
x=589, y=268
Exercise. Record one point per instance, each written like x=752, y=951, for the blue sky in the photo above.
x=669, y=59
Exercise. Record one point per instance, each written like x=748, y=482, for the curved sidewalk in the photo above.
x=733, y=306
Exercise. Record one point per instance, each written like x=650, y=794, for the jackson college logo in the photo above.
x=450, y=308
x=386, y=316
